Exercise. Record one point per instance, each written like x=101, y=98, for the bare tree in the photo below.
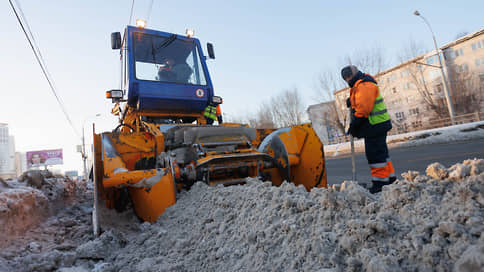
x=287, y=108
x=411, y=50
x=416, y=71
x=369, y=60
x=466, y=92
x=327, y=83
x=432, y=97
x=283, y=110
x=263, y=118
x=466, y=97
x=461, y=34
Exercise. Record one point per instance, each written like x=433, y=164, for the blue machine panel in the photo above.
x=165, y=71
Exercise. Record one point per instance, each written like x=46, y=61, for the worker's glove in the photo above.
x=355, y=126
x=348, y=103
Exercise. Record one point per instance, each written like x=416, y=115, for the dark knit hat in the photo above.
x=348, y=71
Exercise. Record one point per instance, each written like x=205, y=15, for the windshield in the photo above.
x=167, y=59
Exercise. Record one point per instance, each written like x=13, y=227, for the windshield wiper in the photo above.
x=168, y=41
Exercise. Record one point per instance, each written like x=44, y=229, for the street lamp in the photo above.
x=444, y=79
x=84, y=156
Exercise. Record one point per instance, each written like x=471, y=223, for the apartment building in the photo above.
x=413, y=90
x=7, y=153
x=20, y=163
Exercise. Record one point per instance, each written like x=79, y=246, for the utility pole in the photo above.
x=84, y=155
x=444, y=79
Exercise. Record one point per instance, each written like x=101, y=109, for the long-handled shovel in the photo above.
x=353, y=161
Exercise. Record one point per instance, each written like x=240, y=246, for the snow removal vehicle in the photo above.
x=163, y=144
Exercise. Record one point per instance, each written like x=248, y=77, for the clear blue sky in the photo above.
x=262, y=48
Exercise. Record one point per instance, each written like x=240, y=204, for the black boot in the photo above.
x=392, y=179
x=377, y=185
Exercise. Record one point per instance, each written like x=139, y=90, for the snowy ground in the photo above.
x=456, y=133
x=423, y=222
x=431, y=221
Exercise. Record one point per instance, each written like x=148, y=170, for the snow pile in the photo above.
x=28, y=200
x=59, y=236
x=20, y=208
x=455, y=133
x=422, y=222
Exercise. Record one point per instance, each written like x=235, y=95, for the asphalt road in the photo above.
x=404, y=159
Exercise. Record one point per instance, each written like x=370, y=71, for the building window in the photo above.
x=461, y=68
x=449, y=55
x=434, y=74
x=399, y=115
x=404, y=73
x=411, y=98
x=413, y=111
x=408, y=85
x=391, y=78
x=477, y=45
x=394, y=90
x=459, y=52
x=479, y=62
x=417, y=124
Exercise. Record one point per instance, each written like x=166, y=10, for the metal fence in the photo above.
x=431, y=124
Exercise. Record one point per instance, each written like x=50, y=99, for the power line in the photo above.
x=131, y=13
x=38, y=56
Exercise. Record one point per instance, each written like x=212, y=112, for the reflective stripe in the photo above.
x=378, y=112
x=378, y=165
x=390, y=167
x=380, y=179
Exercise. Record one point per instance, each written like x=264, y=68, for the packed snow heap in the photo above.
x=32, y=197
x=420, y=223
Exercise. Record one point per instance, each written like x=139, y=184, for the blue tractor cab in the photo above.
x=163, y=72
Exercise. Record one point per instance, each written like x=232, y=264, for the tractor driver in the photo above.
x=174, y=72
x=165, y=72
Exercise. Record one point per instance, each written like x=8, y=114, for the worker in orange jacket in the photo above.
x=370, y=120
x=219, y=114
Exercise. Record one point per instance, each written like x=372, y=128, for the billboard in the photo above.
x=44, y=157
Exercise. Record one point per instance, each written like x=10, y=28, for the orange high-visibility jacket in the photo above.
x=219, y=111
x=362, y=97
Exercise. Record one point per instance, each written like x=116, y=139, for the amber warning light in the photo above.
x=114, y=94
x=140, y=23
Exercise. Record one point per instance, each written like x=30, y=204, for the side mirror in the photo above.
x=115, y=40
x=211, y=53
x=115, y=95
x=217, y=100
